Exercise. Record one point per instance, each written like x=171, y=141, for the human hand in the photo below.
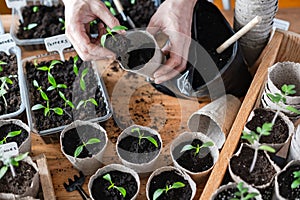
x=78, y=14
x=174, y=18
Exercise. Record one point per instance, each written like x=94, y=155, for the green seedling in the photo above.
x=2, y=63
x=141, y=136
x=82, y=82
x=61, y=20
x=67, y=102
x=197, y=148
x=4, y=87
x=47, y=109
x=159, y=192
x=111, y=9
x=84, y=103
x=35, y=63
x=30, y=26
x=242, y=193
x=35, y=9
x=39, y=88
x=111, y=33
x=11, y=162
x=93, y=23
x=132, y=2
x=75, y=67
x=254, y=137
x=113, y=186
x=48, y=69
x=296, y=181
x=79, y=149
x=10, y=135
x=277, y=98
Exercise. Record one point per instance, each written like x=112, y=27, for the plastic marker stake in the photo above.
x=17, y=4
x=281, y=24
x=239, y=34
x=57, y=43
x=6, y=43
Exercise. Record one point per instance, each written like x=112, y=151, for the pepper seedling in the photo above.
x=141, y=136
x=61, y=20
x=253, y=139
x=242, y=193
x=159, y=192
x=111, y=33
x=75, y=67
x=2, y=63
x=296, y=181
x=10, y=135
x=79, y=149
x=197, y=148
x=109, y=6
x=47, y=109
x=82, y=82
x=67, y=102
x=4, y=87
x=39, y=88
x=10, y=162
x=84, y=103
x=278, y=98
x=30, y=26
x=48, y=69
x=112, y=185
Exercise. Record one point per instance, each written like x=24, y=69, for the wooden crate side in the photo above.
x=289, y=49
x=268, y=59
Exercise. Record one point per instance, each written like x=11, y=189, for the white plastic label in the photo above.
x=6, y=43
x=1, y=28
x=15, y=3
x=9, y=150
x=281, y=24
x=57, y=43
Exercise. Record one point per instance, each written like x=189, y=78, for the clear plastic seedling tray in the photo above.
x=16, y=50
x=16, y=22
x=31, y=115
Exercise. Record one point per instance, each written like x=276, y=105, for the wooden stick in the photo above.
x=239, y=34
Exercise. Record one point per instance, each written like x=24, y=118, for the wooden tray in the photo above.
x=46, y=187
x=284, y=46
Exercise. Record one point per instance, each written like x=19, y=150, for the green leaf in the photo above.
x=152, y=140
x=107, y=3
x=35, y=83
x=93, y=101
x=251, y=195
x=207, y=144
x=21, y=157
x=50, y=88
x=122, y=190
x=14, y=162
x=296, y=174
x=58, y=111
x=102, y=40
x=61, y=20
x=44, y=68
x=295, y=183
x=113, y=11
x=44, y=95
x=62, y=86
x=54, y=62
x=107, y=177
x=3, y=63
x=37, y=107
x=14, y=133
x=46, y=111
x=78, y=151
x=275, y=98
x=51, y=79
x=35, y=9
x=3, y=170
x=178, y=185
x=62, y=95
x=288, y=89
x=157, y=193
x=70, y=104
x=267, y=148
x=93, y=141
x=8, y=80
x=240, y=187
x=79, y=104
x=267, y=126
x=292, y=109
x=31, y=26
x=187, y=148
x=118, y=28
x=137, y=129
x=132, y=1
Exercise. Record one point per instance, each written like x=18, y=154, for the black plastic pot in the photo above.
x=206, y=77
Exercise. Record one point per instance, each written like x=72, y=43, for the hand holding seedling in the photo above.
x=78, y=15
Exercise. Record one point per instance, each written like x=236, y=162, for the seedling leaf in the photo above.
x=14, y=133
x=122, y=190
x=118, y=28
x=157, y=193
x=44, y=68
x=103, y=38
x=93, y=101
x=152, y=140
x=93, y=141
x=78, y=151
x=267, y=148
x=292, y=109
x=178, y=185
x=3, y=170
x=21, y=156
x=58, y=111
x=37, y=107
x=107, y=177
x=187, y=148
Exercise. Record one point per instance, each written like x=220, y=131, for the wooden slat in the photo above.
x=231, y=143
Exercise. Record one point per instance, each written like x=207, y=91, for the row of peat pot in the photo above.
x=267, y=162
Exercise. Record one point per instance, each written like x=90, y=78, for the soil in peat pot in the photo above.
x=63, y=74
x=194, y=163
x=279, y=132
x=285, y=180
x=263, y=171
x=13, y=96
x=168, y=178
x=19, y=183
x=46, y=18
x=76, y=136
x=228, y=194
x=100, y=186
x=134, y=59
x=19, y=139
x=130, y=149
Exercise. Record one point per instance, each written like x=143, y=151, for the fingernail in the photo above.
x=157, y=81
x=155, y=75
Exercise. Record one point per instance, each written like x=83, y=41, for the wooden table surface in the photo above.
x=143, y=105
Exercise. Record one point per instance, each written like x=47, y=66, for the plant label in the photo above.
x=57, y=43
x=15, y=3
x=281, y=24
x=6, y=43
x=9, y=150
